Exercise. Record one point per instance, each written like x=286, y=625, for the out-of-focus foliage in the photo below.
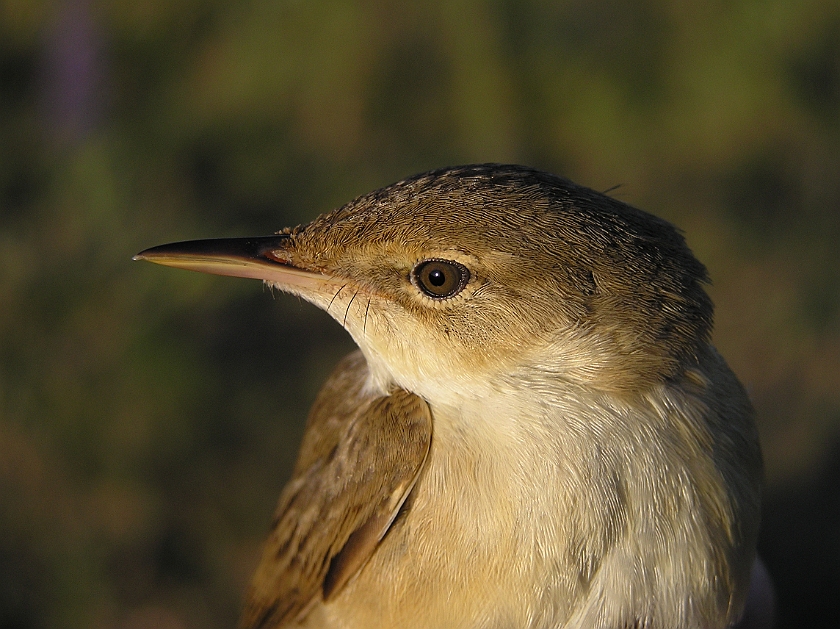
x=148, y=417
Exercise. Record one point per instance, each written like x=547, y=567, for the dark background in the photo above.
x=148, y=417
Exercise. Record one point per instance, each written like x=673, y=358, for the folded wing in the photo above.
x=360, y=457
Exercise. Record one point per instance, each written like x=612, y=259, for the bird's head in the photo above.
x=449, y=279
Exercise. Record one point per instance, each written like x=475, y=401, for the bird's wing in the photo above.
x=360, y=457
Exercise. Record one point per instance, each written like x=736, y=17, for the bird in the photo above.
x=535, y=431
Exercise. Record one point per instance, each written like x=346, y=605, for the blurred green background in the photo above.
x=149, y=417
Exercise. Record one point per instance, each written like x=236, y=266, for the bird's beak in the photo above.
x=260, y=257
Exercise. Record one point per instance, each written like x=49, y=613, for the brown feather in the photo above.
x=358, y=463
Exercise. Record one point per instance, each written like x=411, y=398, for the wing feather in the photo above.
x=360, y=457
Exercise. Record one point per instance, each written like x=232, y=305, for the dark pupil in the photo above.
x=437, y=277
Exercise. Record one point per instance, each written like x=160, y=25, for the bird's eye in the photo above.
x=440, y=279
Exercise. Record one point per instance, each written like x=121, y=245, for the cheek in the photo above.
x=409, y=345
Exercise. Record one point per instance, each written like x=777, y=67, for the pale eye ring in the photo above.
x=440, y=279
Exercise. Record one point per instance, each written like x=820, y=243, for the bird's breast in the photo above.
x=479, y=540
x=572, y=510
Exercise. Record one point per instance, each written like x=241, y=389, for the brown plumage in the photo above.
x=338, y=505
x=537, y=431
